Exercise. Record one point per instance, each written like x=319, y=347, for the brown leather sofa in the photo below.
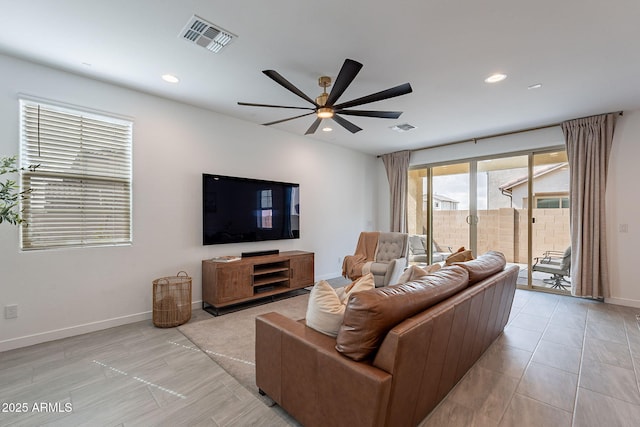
x=398, y=353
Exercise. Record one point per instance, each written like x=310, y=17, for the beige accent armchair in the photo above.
x=388, y=263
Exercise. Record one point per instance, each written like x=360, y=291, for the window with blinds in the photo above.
x=81, y=190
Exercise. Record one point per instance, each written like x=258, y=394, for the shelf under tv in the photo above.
x=255, y=278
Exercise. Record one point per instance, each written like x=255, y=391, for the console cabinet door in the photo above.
x=301, y=271
x=233, y=282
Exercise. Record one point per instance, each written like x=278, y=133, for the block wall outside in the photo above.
x=504, y=230
x=550, y=231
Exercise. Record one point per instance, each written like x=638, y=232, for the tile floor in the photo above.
x=132, y=375
x=561, y=361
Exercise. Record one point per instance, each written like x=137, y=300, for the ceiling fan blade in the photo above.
x=276, y=77
x=378, y=96
x=347, y=73
x=368, y=113
x=251, y=104
x=346, y=124
x=286, y=120
x=314, y=126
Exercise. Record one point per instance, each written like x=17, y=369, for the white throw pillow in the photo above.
x=364, y=283
x=325, y=311
x=413, y=272
x=326, y=304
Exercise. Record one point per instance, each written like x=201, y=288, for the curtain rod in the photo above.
x=496, y=135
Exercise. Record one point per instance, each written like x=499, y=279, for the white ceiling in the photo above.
x=585, y=53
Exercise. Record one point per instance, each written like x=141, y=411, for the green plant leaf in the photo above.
x=10, y=193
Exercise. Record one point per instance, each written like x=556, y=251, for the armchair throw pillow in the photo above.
x=461, y=255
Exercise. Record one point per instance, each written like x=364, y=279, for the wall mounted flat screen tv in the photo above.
x=238, y=210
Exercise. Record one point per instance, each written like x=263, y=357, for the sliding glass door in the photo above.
x=484, y=205
x=450, y=208
x=501, y=222
x=438, y=210
x=550, y=233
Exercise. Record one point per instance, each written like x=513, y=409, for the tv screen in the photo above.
x=248, y=210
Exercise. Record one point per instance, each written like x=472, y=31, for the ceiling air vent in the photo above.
x=404, y=127
x=206, y=34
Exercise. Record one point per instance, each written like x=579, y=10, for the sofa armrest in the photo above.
x=300, y=370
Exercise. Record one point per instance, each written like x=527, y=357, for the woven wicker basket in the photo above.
x=172, y=300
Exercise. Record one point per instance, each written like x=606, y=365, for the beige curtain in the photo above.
x=588, y=146
x=397, y=166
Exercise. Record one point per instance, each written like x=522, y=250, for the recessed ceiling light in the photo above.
x=495, y=78
x=170, y=78
x=326, y=129
x=535, y=86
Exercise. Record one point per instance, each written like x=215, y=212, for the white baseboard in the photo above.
x=71, y=331
x=623, y=301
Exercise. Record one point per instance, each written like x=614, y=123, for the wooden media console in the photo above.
x=248, y=279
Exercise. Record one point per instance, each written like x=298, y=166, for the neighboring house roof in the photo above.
x=442, y=198
x=540, y=172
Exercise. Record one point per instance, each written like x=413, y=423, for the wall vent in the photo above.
x=206, y=34
x=404, y=127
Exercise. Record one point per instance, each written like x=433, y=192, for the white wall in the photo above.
x=543, y=138
x=65, y=292
x=384, y=199
x=623, y=205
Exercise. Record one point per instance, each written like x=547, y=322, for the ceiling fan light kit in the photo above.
x=324, y=113
x=325, y=107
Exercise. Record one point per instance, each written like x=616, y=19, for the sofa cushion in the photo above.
x=371, y=314
x=484, y=266
x=416, y=245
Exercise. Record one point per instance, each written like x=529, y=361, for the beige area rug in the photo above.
x=230, y=339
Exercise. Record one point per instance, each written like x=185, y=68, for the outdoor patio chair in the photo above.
x=556, y=263
x=418, y=252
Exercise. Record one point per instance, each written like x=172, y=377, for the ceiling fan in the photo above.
x=325, y=107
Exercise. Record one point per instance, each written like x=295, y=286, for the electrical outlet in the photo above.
x=638, y=320
x=623, y=228
x=10, y=311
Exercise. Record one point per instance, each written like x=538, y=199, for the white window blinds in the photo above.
x=81, y=190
